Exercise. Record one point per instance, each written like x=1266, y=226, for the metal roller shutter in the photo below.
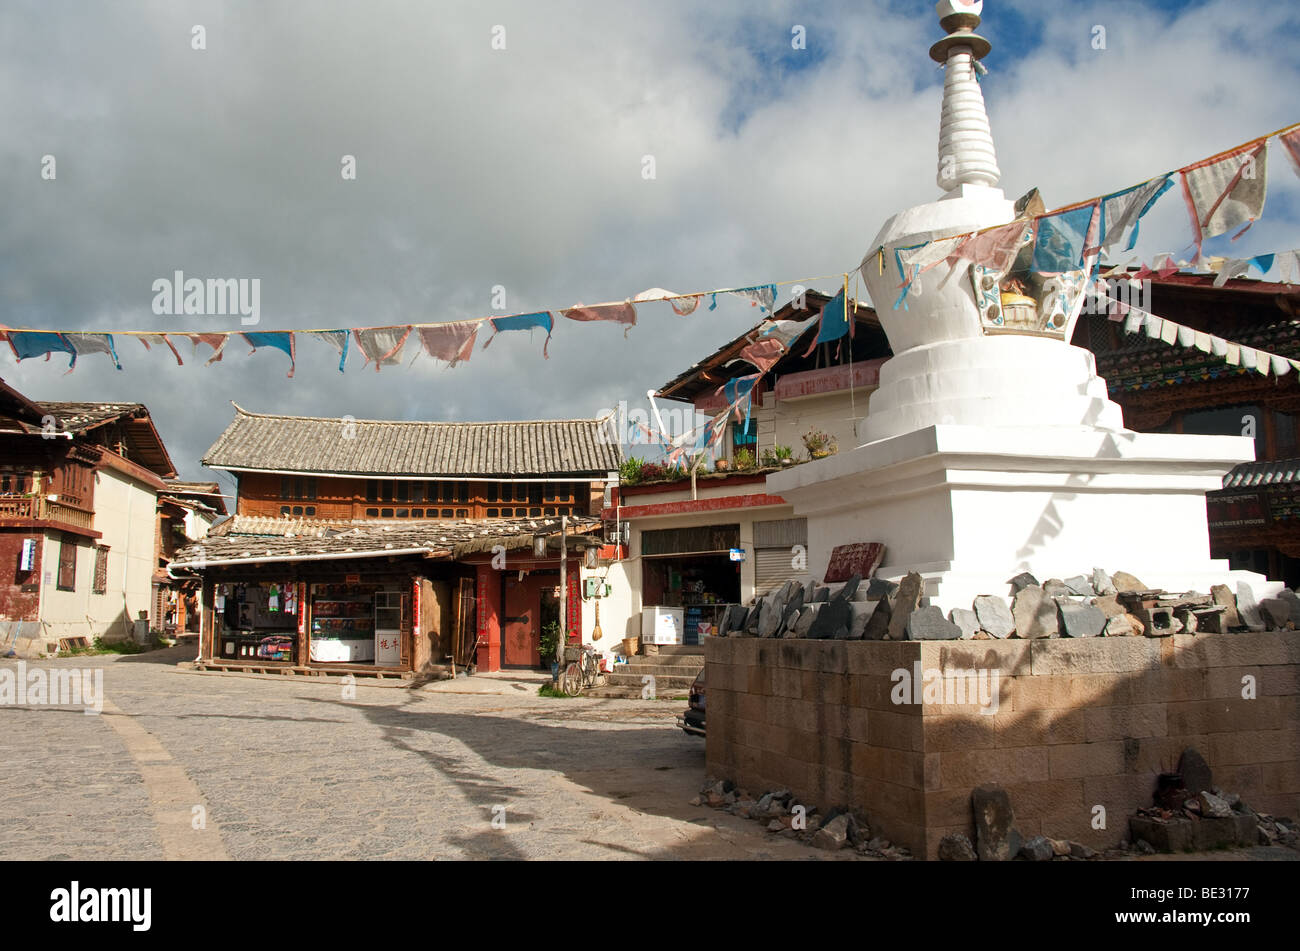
x=774, y=543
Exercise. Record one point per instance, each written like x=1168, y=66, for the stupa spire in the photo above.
x=966, y=155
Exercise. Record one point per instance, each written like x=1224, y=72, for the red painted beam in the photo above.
x=687, y=506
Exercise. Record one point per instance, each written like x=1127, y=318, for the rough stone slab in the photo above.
x=1124, y=581
x=833, y=620
x=878, y=626
x=792, y=608
x=906, y=601
x=1101, y=582
x=1248, y=608
x=994, y=616
x=1055, y=588
x=1277, y=611
x=861, y=617
x=1222, y=595
x=1108, y=605
x=1196, y=772
x=929, y=624
x=1080, y=620
x=879, y=588
x=806, y=618
x=1080, y=585
x=1121, y=625
x=1171, y=835
x=955, y=847
x=1035, y=613
x=1022, y=581
x=997, y=839
x=1038, y=849
x=967, y=622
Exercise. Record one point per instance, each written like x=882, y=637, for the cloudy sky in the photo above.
x=523, y=167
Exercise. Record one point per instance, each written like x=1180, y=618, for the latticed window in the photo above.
x=100, y=585
x=67, y=563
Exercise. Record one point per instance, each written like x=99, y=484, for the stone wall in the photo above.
x=1079, y=723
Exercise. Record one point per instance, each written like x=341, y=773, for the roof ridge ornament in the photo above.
x=966, y=153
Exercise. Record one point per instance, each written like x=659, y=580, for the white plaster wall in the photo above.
x=125, y=515
x=833, y=413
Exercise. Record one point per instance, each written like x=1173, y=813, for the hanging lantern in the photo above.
x=539, y=546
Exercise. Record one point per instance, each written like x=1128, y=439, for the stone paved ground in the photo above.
x=289, y=769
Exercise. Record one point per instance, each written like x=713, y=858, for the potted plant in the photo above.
x=629, y=473
x=550, y=643
x=722, y=465
x=744, y=459
x=819, y=444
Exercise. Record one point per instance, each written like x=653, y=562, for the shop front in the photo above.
x=365, y=616
x=689, y=576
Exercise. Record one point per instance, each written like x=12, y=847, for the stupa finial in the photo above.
x=966, y=155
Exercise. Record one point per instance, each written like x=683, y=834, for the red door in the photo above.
x=520, y=634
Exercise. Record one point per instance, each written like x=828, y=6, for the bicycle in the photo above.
x=583, y=670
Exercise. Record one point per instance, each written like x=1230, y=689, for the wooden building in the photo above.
x=79, y=524
x=1255, y=519
x=397, y=545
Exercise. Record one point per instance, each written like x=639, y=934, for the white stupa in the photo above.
x=991, y=446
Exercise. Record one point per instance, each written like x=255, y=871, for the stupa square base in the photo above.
x=969, y=506
x=1076, y=731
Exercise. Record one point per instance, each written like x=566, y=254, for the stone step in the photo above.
x=675, y=649
x=613, y=692
x=667, y=664
x=675, y=667
x=662, y=684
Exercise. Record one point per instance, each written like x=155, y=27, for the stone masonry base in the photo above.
x=1079, y=724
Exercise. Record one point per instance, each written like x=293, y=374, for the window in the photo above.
x=492, y=489
x=286, y=487
x=284, y=510
x=372, y=491
x=462, y=492
x=372, y=513
x=297, y=510
x=462, y=513
x=386, y=492
x=67, y=563
x=311, y=510
x=417, y=491
x=100, y=584
x=550, y=510
x=535, y=494
x=534, y=512
x=448, y=492
x=403, y=513
x=403, y=492
x=417, y=513
x=385, y=513
x=507, y=513
x=493, y=513
x=743, y=436
x=446, y=513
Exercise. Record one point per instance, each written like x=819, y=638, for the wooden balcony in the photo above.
x=38, y=509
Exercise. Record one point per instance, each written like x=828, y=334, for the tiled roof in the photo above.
x=77, y=417
x=1266, y=473
x=562, y=447
x=294, y=538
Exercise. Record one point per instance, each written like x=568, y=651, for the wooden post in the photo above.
x=564, y=590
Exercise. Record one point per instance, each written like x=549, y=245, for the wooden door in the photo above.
x=520, y=631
